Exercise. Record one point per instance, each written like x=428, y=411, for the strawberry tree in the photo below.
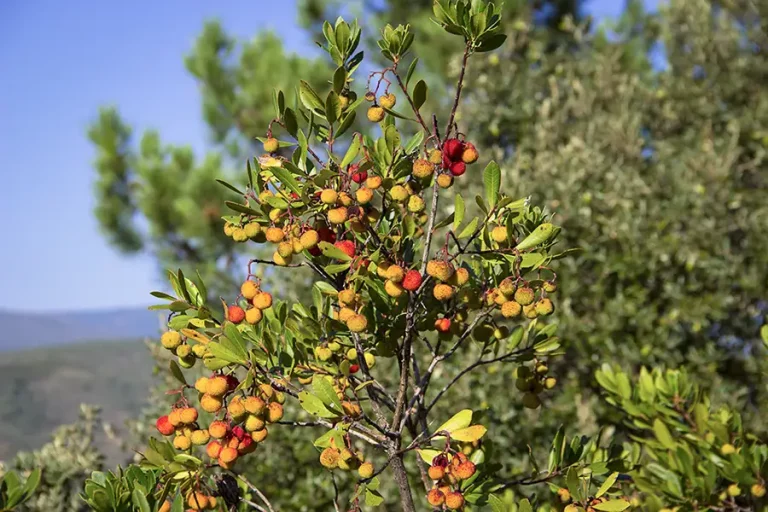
x=399, y=289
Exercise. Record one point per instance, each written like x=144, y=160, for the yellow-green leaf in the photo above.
x=469, y=434
x=607, y=484
x=461, y=419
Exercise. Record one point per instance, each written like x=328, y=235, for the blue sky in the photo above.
x=60, y=61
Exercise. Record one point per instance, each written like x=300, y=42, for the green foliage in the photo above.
x=14, y=492
x=692, y=454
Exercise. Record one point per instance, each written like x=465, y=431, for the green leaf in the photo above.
x=33, y=480
x=460, y=420
x=663, y=434
x=339, y=79
x=469, y=434
x=242, y=208
x=222, y=353
x=291, y=123
x=140, y=501
x=326, y=288
x=419, y=94
x=334, y=252
x=286, y=178
x=337, y=268
x=178, y=504
x=414, y=142
x=324, y=391
x=238, y=343
x=612, y=506
x=538, y=236
x=491, y=43
x=524, y=506
x=332, y=107
x=496, y=504
x=352, y=152
x=411, y=69
x=309, y=97
x=231, y=187
x=764, y=334
x=469, y=229
x=558, y=447
x=176, y=372
x=373, y=498
x=427, y=455
x=607, y=484
x=458, y=212
x=573, y=483
x=314, y=406
x=492, y=181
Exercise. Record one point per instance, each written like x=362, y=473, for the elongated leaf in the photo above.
x=461, y=419
x=538, y=236
x=492, y=182
x=524, y=506
x=352, y=152
x=496, y=504
x=339, y=79
x=419, y=94
x=458, y=212
x=333, y=252
x=467, y=231
x=241, y=208
x=469, y=434
x=314, y=406
x=411, y=69
x=176, y=372
x=286, y=178
x=573, y=483
x=324, y=391
x=612, y=506
x=140, y=502
x=427, y=455
x=332, y=107
x=231, y=187
x=309, y=97
x=663, y=434
x=607, y=484
x=224, y=354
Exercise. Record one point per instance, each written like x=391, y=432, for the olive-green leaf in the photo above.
x=458, y=212
x=607, y=484
x=314, y=406
x=176, y=372
x=612, y=506
x=309, y=97
x=461, y=419
x=419, y=94
x=469, y=434
x=663, y=434
x=286, y=178
x=538, y=236
x=324, y=391
x=524, y=506
x=333, y=252
x=492, y=182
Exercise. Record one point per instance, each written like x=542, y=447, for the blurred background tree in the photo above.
x=647, y=138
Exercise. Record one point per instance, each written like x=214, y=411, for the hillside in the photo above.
x=43, y=388
x=25, y=330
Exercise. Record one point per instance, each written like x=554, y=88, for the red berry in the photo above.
x=164, y=426
x=453, y=149
x=354, y=368
x=235, y=314
x=294, y=195
x=412, y=280
x=232, y=382
x=440, y=460
x=324, y=235
x=360, y=177
x=347, y=246
x=239, y=432
x=443, y=324
x=458, y=168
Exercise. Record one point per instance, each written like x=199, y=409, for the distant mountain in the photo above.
x=20, y=330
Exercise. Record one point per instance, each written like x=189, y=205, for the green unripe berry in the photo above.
x=370, y=359
x=733, y=490
x=334, y=346
x=352, y=354
x=549, y=286
x=323, y=353
x=550, y=382
x=531, y=401
x=184, y=351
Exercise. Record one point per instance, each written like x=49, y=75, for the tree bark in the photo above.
x=401, y=477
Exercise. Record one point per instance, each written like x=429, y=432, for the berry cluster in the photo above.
x=187, y=352
x=333, y=353
x=346, y=460
x=533, y=382
x=448, y=471
x=515, y=297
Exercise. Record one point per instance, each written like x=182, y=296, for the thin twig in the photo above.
x=460, y=85
x=257, y=492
